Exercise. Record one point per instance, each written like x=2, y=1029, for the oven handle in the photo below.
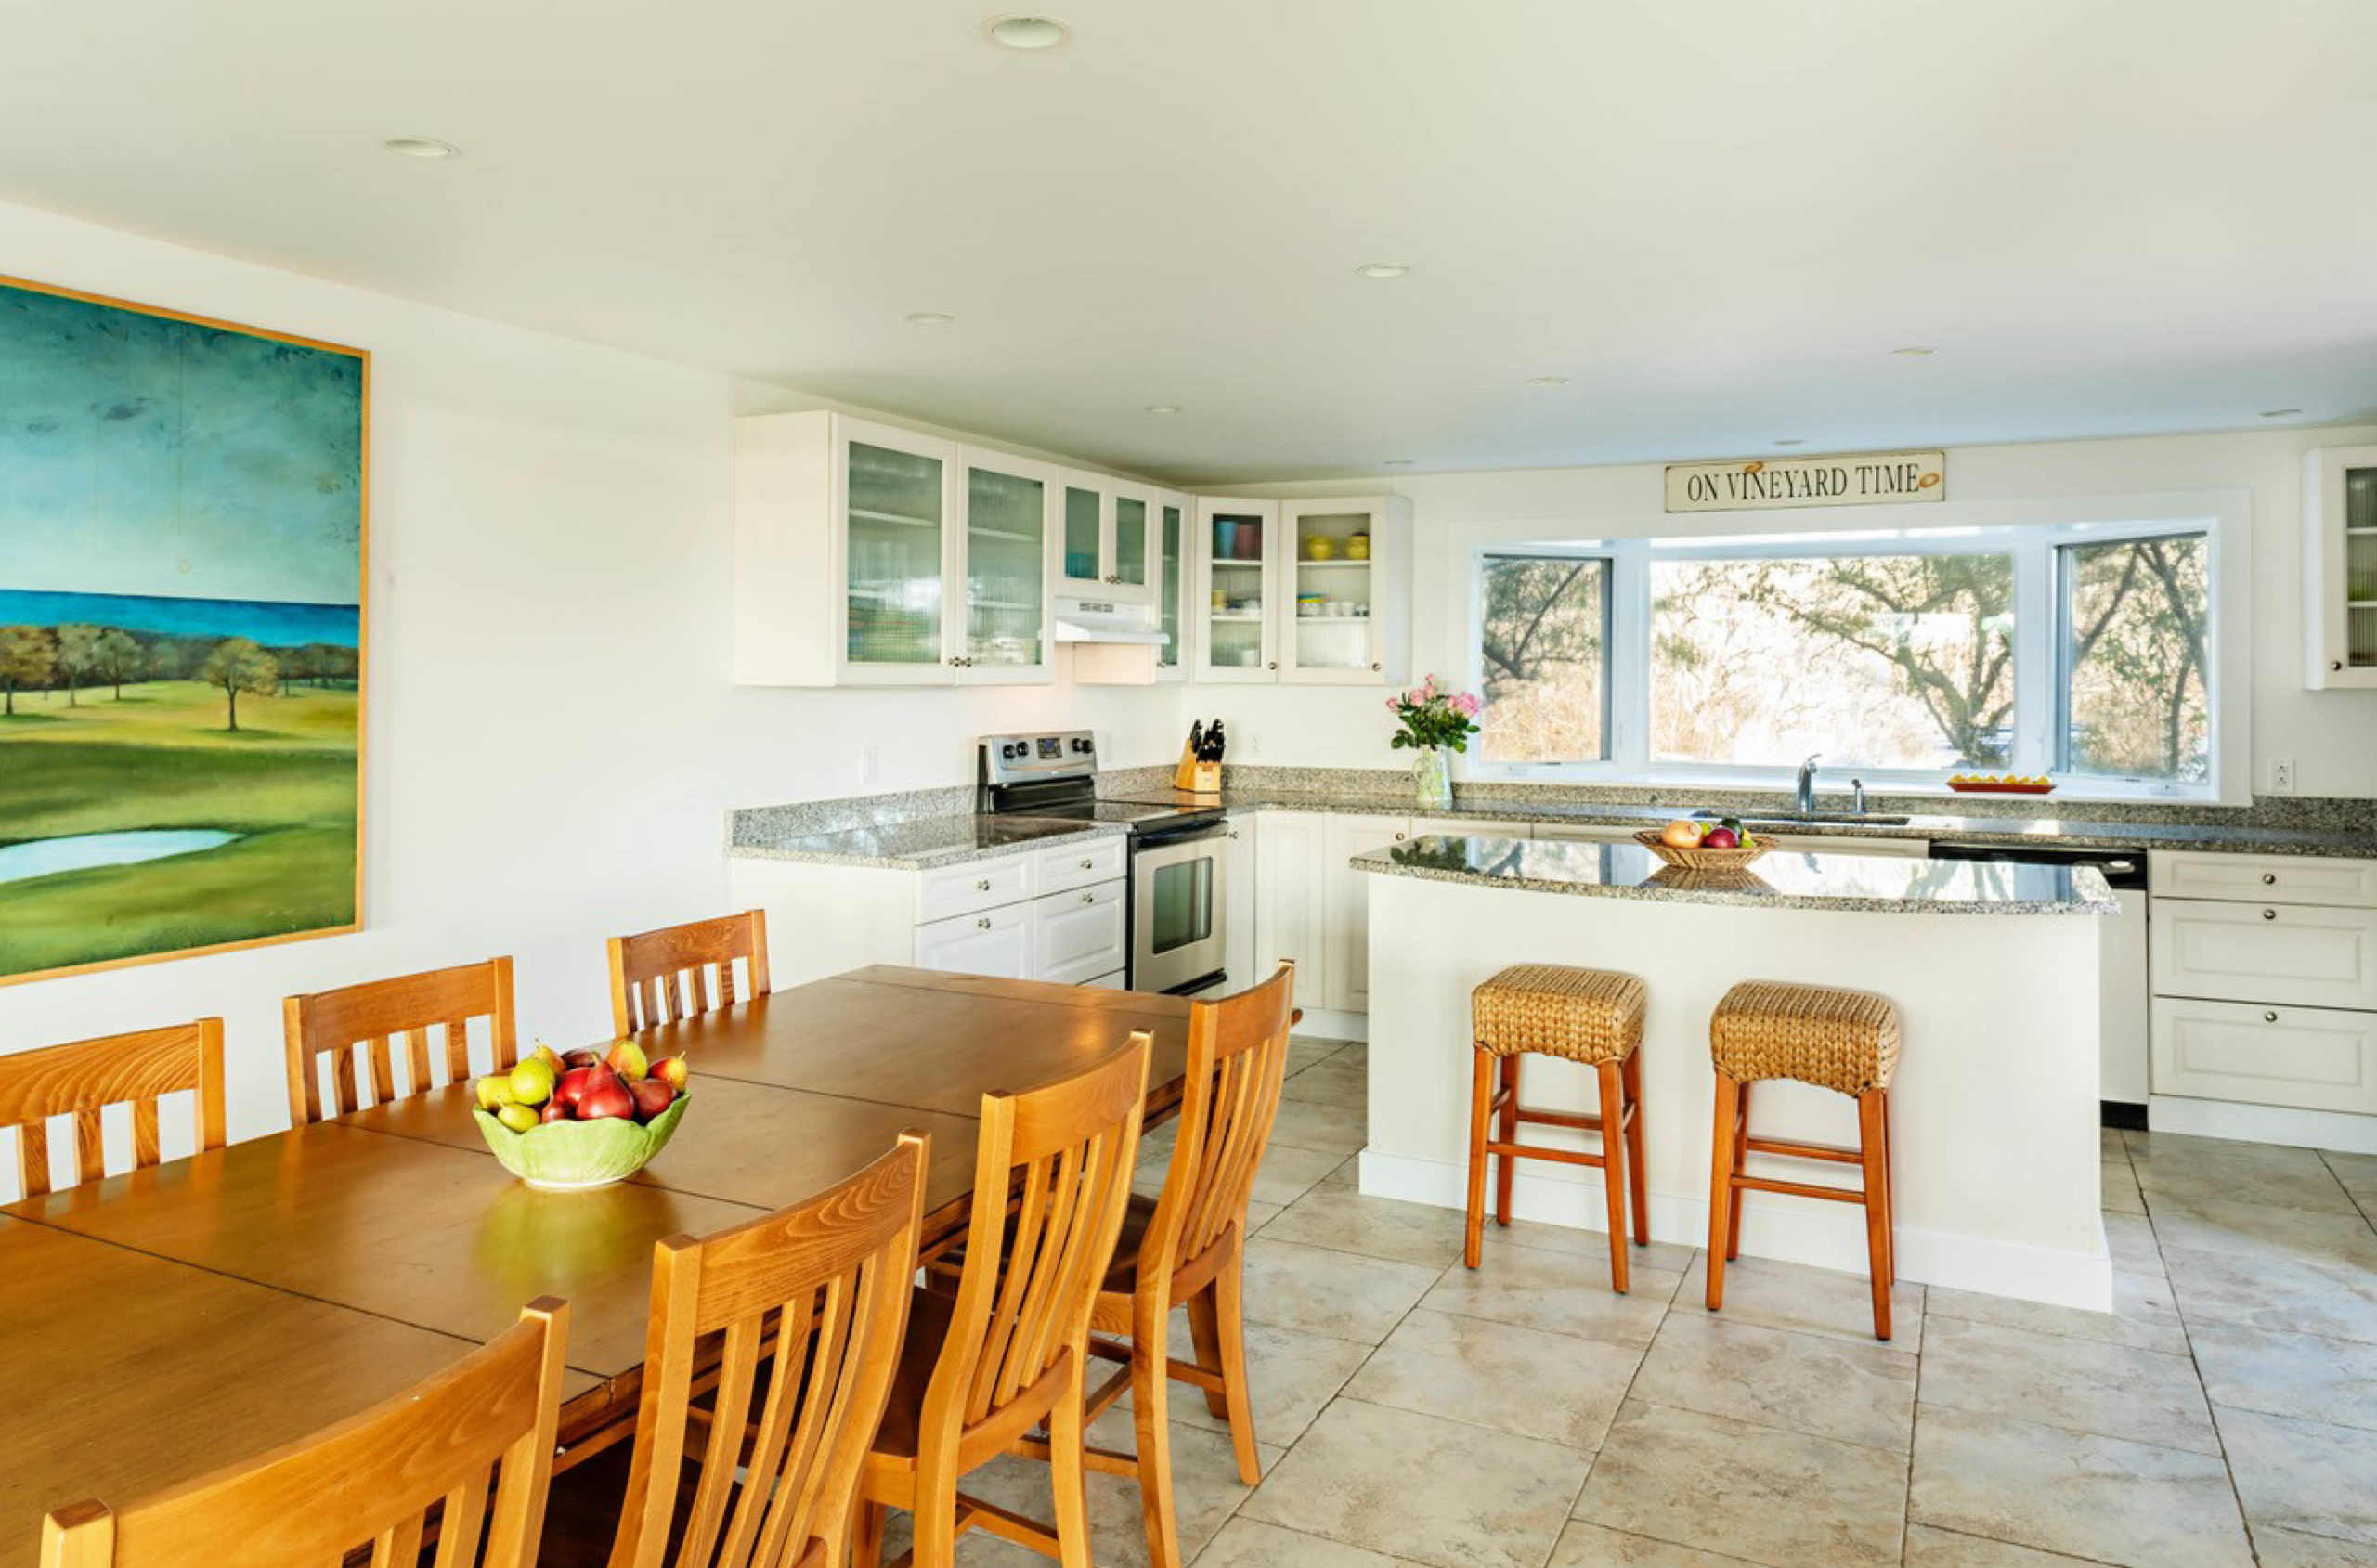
x=1159, y=838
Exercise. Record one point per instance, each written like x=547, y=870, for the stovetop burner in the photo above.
x=1055, y=776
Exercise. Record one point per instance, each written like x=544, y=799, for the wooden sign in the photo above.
x=1867, y=480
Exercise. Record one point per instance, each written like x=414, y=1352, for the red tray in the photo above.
x=1977, y=787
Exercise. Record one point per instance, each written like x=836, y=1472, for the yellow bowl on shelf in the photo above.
x=1320, y=547
x=1359, y=547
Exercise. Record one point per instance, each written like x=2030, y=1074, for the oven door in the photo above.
x=1176, y=904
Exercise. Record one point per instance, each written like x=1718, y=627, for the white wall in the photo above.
x=2332, y=736
x=551, y=739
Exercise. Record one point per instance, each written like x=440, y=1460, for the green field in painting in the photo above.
x=163, y=758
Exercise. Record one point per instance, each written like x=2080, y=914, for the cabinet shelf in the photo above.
x=899, y=518
x=1332, y=565
x=1223, y=616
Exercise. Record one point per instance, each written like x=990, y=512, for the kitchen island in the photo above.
x=1993, y=968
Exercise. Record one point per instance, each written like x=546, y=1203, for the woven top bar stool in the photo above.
x=1593, y=1016
x=1845, y=1041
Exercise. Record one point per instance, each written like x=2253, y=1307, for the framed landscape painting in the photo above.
x=181, y=633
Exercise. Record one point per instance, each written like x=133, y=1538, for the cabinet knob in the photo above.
x=1088, y=865
x=1089, y=897
x=2336, y=663
x=2269, y=914
x=984, y=886
x=1401, y=836
x=983, y=924
x=1375, y=665
x=2269, y=1017
x=1273, y=665
x=2269, y=880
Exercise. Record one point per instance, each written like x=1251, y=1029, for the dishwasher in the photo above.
x=2127, y=1007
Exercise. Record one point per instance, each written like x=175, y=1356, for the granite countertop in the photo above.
x=2056, y=833
x=924, y=843
x=1853, y=882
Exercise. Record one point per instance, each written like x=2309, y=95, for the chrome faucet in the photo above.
x=1857, y=797
x=1806, y=790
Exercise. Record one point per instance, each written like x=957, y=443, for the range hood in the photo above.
x=1102, y=620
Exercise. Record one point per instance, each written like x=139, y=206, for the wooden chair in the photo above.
x=361, y=1021
x=370, y=1482
x=983, y=1368
x=812, y=1303
x=653, y=969
x=82, y=1079
x=1188, y=1244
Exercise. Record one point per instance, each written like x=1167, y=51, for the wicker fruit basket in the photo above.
x=1699, y=859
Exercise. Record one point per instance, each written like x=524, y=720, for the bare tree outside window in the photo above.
x=1540, y=643
x=2137, y=694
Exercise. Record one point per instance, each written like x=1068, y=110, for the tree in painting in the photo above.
x=116, y=658
x=78, y=650
x=237, y=666
x=27, y=658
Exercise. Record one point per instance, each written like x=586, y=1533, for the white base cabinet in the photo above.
x=2317, y=1059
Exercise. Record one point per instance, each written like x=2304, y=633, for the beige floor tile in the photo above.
x=1323, y=1291
x=1580, y=1239
x=2263, y=1232
x=1810, y=1300
x=1292, y=1376
x=1341, y=1080
x=1327, y=1128
x=2085, y=1385
x=1552, y=1386
x=1310, y=1050
x=2134, y=1250
x=2292, y=1549
x=1259, y=1213
x=2304, y=1476
x=1288, y=1173
x=1422, y=1487
x=1814, y=1383
x=2299, y=1375
x=1245, y=1543
x=2191, y=1169
x=1347, y=1173
x=2145, y=1315
x=1376, y=1227
x=2335, y=1300
x=2087, y=1496
x=2112, y=1143
x=1590, y=1546
x=2119, y=1186
x=1780, y=1498
x=1559, y=1292
x=1928, y=1548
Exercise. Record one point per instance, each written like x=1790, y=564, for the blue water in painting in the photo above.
x=47, y=857
x=275, y=625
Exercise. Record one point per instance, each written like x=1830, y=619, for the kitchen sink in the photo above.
x=1786, y=819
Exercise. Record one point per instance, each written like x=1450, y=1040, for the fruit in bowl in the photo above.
x=1699, y=841
x=592, y=1122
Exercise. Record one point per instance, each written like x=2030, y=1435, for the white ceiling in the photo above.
x=1717, y=218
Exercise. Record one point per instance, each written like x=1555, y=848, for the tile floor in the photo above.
x=1412, y=1412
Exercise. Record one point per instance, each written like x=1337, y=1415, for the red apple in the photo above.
x=673, y=1069
x=572, y=1085
x=1721, y=839
x=611, y=1099
x=652, y=1097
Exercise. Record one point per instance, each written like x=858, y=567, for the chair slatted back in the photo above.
x=1032, y=1274
x=357, y=1027
x=811, y=1305
x=1238, y=1061
x=683, y=971
x=486, y=1425
x=84, y=1077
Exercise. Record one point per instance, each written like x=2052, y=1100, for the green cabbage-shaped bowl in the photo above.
x=578, y=1156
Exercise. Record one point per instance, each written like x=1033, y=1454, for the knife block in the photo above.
x=1195, y=777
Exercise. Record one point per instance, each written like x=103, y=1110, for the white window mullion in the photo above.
x=2038, y=660
x=1629, y=656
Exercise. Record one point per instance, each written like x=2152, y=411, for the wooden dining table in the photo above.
x=165, y=1322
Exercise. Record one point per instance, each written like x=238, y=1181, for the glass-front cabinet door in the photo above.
x=1171, y=585
x=1232, y=603
x=1004, y=634
x=1333, y=618
x=1083, y=545
x=1130, y=576
x=895, y=553
x=2340, y=557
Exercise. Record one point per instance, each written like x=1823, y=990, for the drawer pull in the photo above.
x=1089, y=897
x=1089, y=865
x=2269, y=1017
x=983, y=924
x=2269, y=880
x=984, y=886
x=2269, y=914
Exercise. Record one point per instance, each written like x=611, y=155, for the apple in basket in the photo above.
x=592, y=1123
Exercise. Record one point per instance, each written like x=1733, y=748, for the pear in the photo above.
x=518, y=1117
x=495, y=1090
x=532, y=1082
x=627, y=1060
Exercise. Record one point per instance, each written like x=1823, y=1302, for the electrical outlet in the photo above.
x=2281, y=775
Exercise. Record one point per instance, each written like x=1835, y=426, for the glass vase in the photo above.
x=1432, y=779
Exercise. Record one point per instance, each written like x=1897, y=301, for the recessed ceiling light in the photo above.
x=1383, y=269
x=1398, y=462
x=1546, y=380
x=1915, y=352
x=1163, y=407
x=929, y=318
x=422, y=146
x=1792, y=441
x=2280, y=413
x=1026, y=32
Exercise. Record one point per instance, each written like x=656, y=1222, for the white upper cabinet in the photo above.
x=2340, y=566
x=1106, y=539
x=1235, y=592
x=1174, y=526
x=865, y=555
x=1306, y=592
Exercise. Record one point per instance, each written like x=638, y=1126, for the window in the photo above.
x=1543, y=632
x=2086, y=650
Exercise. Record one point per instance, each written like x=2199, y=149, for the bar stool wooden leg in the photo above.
x=1613, y=1156
x=1873, y=1144
x=1723, y=1199
x=1890, y=1194
x=1507, y=1172
x=1741, y=1167
x=1481, y=1106
x=1638, y=1173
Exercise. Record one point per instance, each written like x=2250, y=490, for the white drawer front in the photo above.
x=1078, y=936
x=1081, y=865
x=2286, y=879
x=2312, y=1057
x=995, y=941
x=2301, y=955
x=962, y=889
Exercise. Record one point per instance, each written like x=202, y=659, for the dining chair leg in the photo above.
x=1481, y=1106
x=1229, y=1287
x=1741, y=1167
x=1206, y=1337
x=934, y=1516
x=1638, y=1173
x=867, y=1535
x=1068, y=1474
x=1721, y=1197
x=1871, y=1145
x=1149, y=1388
x=1613, y=1157
x=1506, y=1174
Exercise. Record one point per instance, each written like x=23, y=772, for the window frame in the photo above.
x=1599, y=557
x=2032, y=532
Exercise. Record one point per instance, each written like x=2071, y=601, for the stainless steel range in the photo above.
x=1178, y=864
